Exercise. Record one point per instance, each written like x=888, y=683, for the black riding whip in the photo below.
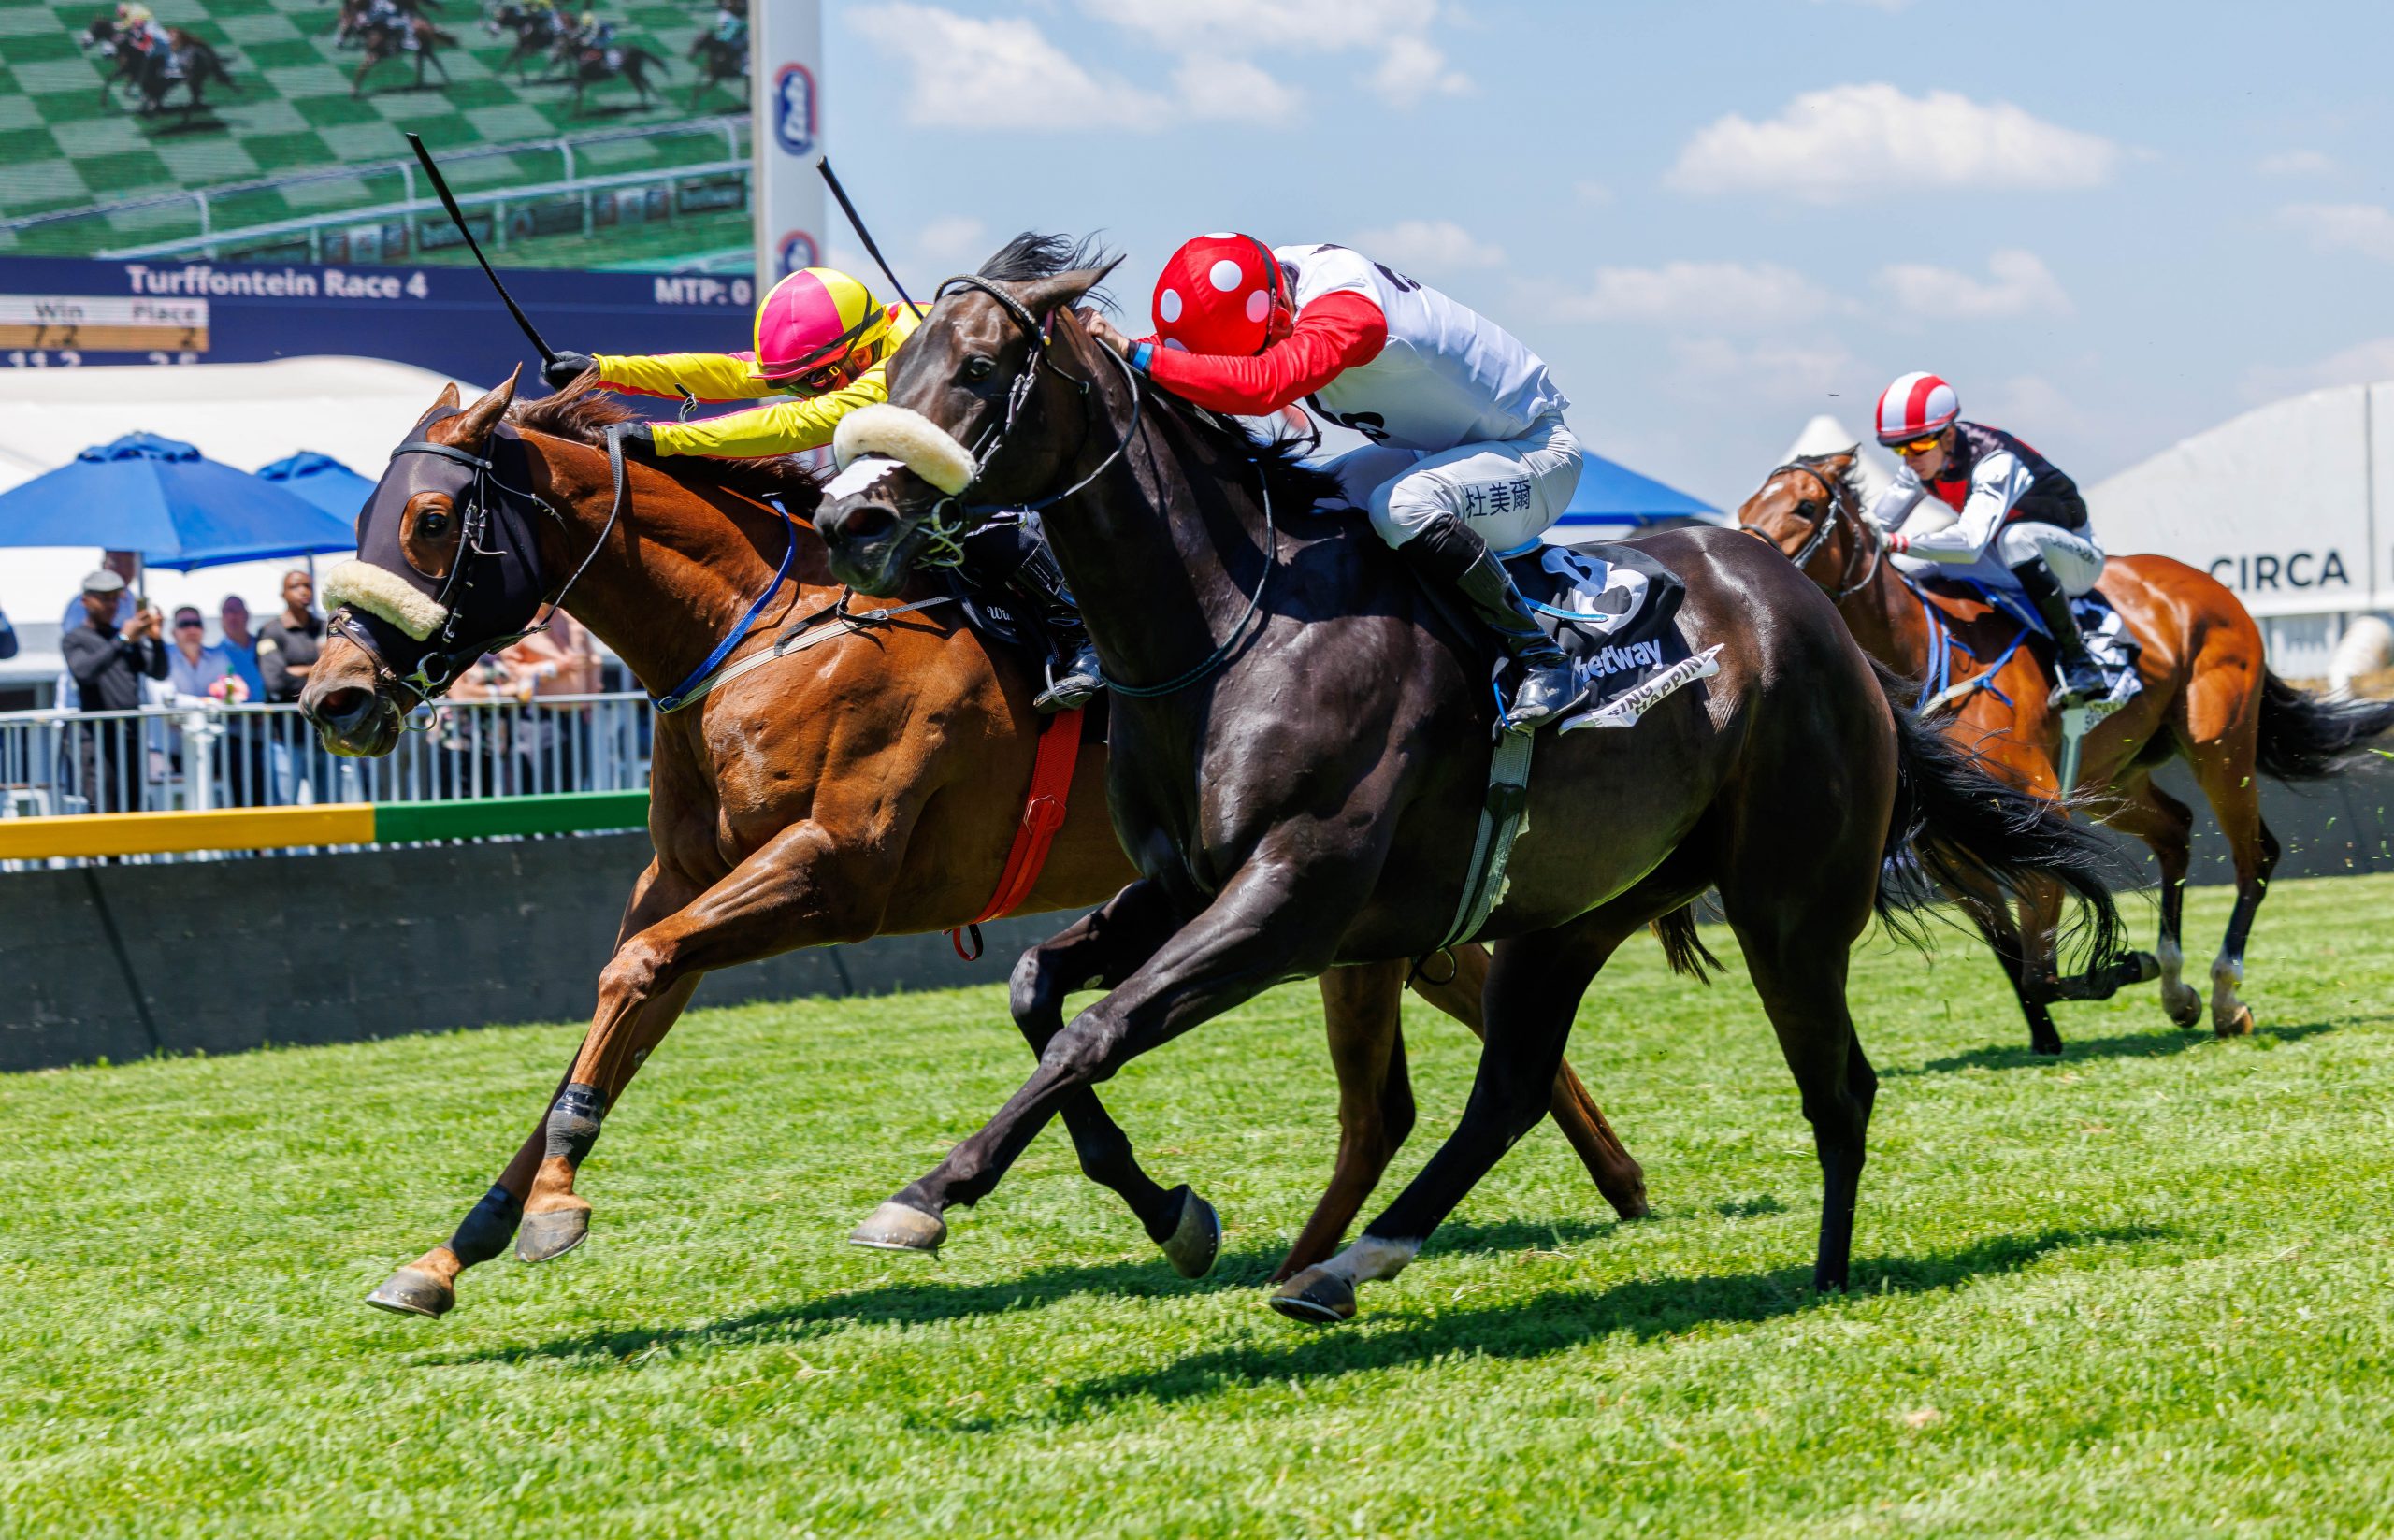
x=856, y=222
x=457, y=218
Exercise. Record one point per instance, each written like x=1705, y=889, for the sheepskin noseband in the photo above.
x=908, y=437
x=363, y=586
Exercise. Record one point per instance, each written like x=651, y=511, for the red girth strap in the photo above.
x=1043, y=814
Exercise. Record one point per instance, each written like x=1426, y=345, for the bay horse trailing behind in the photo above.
x=866, y=779
x=2208, y=698
x=1301, y=750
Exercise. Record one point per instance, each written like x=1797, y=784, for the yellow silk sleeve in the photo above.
x=708, y=376
x=778, y=428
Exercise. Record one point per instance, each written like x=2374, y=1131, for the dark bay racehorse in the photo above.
x=1301, y=743
x=870, y=786
x=187, y=61
x=2208, y=698
x=411, y=33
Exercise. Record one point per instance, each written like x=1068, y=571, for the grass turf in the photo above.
x=2143, y=1291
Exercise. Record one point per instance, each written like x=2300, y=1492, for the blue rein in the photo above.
x=1942, y=644
x=672, y=701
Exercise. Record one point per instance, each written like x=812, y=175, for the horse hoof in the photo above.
x=412, y=1291
x=2186, y=1009
x=542, y=1236
x=1196, y=1238
x=2238, y=1024
x=1317, y=1297
x=895, y=1226
x=2046, y=1048
x=2148, y=967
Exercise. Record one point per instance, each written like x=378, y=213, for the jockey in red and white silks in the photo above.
x=1469, y=452
x=1975, y=502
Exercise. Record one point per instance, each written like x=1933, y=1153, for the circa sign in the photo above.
x=2258, y=573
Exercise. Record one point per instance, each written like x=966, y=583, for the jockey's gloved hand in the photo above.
x=565, y=369
x=640, y=441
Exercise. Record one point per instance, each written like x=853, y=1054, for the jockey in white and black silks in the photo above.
x=822, y=348
x=1975, y=502
x=1469, y=454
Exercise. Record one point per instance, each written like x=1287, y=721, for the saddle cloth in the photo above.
x=2100, y=626
x=1614, y=610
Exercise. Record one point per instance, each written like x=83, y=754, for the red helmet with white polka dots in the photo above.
x=1216, y=294
x=1915, y=406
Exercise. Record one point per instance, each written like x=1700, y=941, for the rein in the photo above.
x=1834, y=511
x=986, y=447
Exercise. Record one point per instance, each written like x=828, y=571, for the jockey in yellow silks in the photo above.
x=822, y=347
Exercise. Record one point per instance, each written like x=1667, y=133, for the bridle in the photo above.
x=947, y=533
x=1834, y=509
x=482, y=493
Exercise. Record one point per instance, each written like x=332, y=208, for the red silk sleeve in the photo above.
x=1333, y=335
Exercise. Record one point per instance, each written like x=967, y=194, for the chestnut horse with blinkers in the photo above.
x=869, y=786
x=2208, y=698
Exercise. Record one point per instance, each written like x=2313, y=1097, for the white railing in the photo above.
x=732, y=127
x=169, y=758
x=584, y=189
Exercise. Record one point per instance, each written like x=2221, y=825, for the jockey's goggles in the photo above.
x=1911, y=449
x=839, y=372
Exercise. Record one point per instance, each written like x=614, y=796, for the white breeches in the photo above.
x=2076, y=560
x=1508, y=492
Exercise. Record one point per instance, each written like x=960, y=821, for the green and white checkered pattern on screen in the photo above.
x=66, y=146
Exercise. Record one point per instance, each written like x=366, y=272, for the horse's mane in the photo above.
x=582, y=415
x=1295, y=486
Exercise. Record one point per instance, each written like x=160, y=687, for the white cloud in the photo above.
x=1429, y=245
x=953, y=241
x=2364, y=364
x=2036, y=403
x=1856, y=141
x=1408, y=67
x=2362, y=227
x=1232, y=89
x=1783, y=374
x=969, y=73
x=1412, y=68
x=2296, y=162
x=1736, y=295
x=2023, y=285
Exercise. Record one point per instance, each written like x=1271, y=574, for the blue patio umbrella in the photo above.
x=163, y=498
x=322, y=481
x=1612, y=496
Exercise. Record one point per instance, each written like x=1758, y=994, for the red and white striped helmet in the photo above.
x=1914, y=407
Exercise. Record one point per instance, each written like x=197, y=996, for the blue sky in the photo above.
x=2110, y=224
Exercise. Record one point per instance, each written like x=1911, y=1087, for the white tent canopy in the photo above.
x=1826, y=435
x=2291, y=505
x=244, y=414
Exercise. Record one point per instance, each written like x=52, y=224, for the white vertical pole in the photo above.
x=785, y=80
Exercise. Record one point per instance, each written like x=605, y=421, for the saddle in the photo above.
x=2100, y=626
x=1613, y=609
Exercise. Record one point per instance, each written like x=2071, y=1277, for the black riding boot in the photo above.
x=2081, y=678
x=1015, y=558
x=1447, y=551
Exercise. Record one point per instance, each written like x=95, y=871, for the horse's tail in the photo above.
x=1958, y=829
x=1682, y=948
x=2304, y=737
x=638, y=59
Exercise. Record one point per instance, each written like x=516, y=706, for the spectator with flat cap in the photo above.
x=108, y=660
